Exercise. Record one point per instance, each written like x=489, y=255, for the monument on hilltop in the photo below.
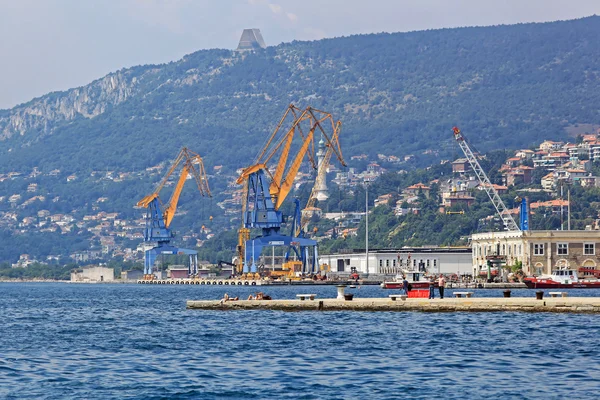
x=251, y=40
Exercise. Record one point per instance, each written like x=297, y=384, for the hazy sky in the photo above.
x=49, y=45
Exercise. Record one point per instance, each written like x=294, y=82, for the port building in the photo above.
x=434, y=260
x=92, y=274
x=539, y=251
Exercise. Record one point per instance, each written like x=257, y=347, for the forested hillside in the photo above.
x=508, y=85
x=86, y=150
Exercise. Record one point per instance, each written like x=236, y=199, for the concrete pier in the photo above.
x=558, y=304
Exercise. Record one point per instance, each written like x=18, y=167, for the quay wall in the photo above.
x=558, y=305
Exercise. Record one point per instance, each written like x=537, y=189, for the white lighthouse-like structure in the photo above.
x=322, y=192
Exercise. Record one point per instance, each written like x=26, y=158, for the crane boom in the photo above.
x=287, y=183
x=171, y=208
x=320, y=176
x=504, y=214
x=265, y=192
x=160, y=216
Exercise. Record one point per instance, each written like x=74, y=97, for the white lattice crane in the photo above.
x=503, y=212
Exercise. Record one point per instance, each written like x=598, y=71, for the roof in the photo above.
x=460, y=160
x=499, y=187
x=550, y=203
x=551, y=142
x=419, y=186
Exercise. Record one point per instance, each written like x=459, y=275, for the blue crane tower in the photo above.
x=265, y=192
x=159, y=216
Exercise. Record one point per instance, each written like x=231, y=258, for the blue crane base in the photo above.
x=151, y=255
x=255, y=246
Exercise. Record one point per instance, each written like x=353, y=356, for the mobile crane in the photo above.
x=507, y=219
x=159, y=216
x=265, y=192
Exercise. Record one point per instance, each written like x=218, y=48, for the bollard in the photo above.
x=348, y=296
x=340, y=291
x=539, y=295
x=506, y=293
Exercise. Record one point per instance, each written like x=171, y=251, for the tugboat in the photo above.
x=561, y=279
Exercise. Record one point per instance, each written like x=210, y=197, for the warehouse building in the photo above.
x=434, y=260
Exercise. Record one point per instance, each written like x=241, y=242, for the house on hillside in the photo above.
x=548, y=182
x=513, y=161
x=517, y=176
x=458, y=198
x=549, y=145
x=499, y=188
x=590, y=181
x=525, y=154
x=383, y=199
x=415, y=189
x=461, y=165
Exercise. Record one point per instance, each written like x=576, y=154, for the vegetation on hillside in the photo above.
x=397, y=94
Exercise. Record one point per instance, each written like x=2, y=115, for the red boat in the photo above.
x=561, y=279
x=416, y=280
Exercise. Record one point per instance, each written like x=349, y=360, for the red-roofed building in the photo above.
x=548, y=182
x=458, y=199
x=499, y=188
x=517, y=176
x=589, y=138
x=416, y=188
x=513, y=161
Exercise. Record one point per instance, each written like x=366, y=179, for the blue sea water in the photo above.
x=63, y=341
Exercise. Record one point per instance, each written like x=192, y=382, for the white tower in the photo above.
x=322, y=192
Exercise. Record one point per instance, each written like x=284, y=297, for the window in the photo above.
x=394, y=263
x=589, y=249
x=381, y=263
x=538, y=249
x=387, y=263
x=563, y=249
x=435, y=263
x=427, y=263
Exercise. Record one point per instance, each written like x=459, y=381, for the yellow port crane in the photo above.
x=159, y=216
x=261, y=207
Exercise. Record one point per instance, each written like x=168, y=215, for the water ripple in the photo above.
x=137, y=341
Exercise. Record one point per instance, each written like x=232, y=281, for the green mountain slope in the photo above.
x=507, y=86
x=397, y=94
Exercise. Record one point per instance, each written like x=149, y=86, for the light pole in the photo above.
x=367, y=225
